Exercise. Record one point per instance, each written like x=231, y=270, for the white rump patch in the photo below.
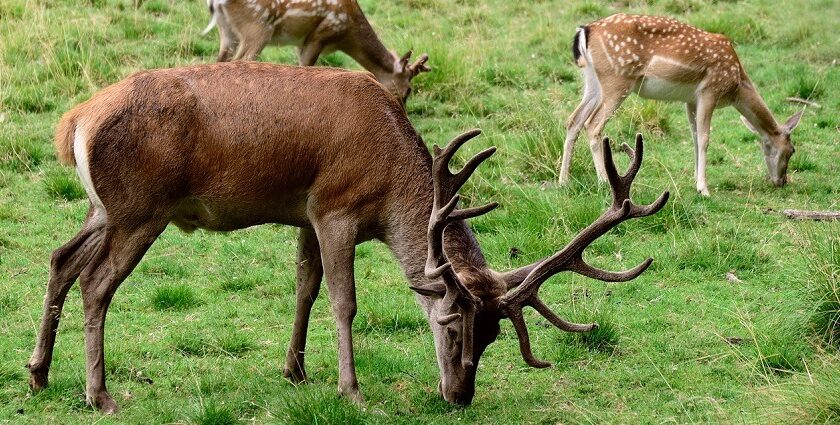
x=80, y=152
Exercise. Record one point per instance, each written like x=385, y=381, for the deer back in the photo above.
x=230, y=145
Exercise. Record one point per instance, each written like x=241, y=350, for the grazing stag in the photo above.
x=315, y=27
x=325, y=150
x=664, y=59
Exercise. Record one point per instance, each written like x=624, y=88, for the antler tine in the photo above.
x=407, y=56
x=420, y=64
x=570, y=258
x=582, y=267
x=521, y=328
x=446, y=186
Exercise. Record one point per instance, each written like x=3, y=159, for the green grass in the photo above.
x=174, y=297
x=198, y=333
x=64, y=185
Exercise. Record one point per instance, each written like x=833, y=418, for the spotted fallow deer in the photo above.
x=664, y=59
x=315, y=27
x=326, y=150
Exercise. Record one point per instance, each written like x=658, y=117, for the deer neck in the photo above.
x=407, y=238
x=366, y=49
x=750, y=104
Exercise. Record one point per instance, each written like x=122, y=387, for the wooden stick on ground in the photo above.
x=803, y=101
x=811, y=215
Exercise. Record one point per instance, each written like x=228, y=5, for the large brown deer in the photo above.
x=664, y=59
x=315, y=27
x=326, y=150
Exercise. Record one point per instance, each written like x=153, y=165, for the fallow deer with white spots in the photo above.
x=315, y=27
x=664, y=59
x=326, y=150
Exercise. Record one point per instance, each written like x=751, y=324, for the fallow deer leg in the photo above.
x=591, y=97
x=121, y=250
x=705, y=109
x=228, y=41
x=309, y=52
x=252, y=41
x=309, y=274
x=66, y=264
x=337, y=240
x=611, y=100
x=691, y=111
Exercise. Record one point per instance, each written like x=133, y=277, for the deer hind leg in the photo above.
x=66, y=264
x=610, y=102
x=309, y=273
x=705, y=109
x=337, y=239
x=309, y=52
x=252, y=40
x=591, y=98
x=121, y=250
x=228, y=40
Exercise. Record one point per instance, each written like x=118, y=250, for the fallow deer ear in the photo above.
x=433, y=290
x=793, y=121
x=748, y=125
x=398, y=63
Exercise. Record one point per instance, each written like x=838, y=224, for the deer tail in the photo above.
x=212, y=22
x=64, y=136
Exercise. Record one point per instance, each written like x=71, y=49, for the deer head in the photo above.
x=465, y=308
x=400, y=81
x=777, y=147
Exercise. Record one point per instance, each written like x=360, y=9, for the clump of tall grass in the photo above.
x=806, y=86
x=319, y=407
x=812, y=401
x=822, y=252
x=212, y=413
x=62, y=184
x=174, y=297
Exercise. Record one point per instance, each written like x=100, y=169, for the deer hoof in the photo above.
x=296, y=375
x=354, y=395
x=38, y=380
x=104, y=403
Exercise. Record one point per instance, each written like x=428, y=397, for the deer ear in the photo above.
x=433, y=290
x=793, y=121
x=748, y=125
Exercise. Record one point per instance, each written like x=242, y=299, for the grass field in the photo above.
x=198, y=332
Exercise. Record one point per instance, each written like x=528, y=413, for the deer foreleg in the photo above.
x=691, y=111
x=309, y=274
x=705, y=108
x=337, y=240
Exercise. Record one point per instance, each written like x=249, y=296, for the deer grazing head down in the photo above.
x=399, y=82
x=777, y=147
x=315, y=27
x=345, y=166
x=463, y=323
x=664, y=59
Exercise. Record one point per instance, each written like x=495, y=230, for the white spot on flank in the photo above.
x=80, y=152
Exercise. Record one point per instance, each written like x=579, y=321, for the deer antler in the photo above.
x=417, y=67
x=570, y=258
x=420, y=65
x=446, y=198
